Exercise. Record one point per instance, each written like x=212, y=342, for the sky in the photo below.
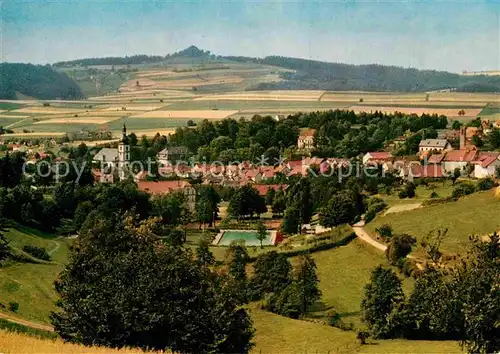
x=451, y=35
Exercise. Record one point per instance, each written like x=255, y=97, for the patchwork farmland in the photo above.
x=162, y=99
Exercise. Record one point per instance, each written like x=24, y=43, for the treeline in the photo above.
x=458, y=302
x=190, y=52
x=339, y=133
x=39, y=81
x=312, y=74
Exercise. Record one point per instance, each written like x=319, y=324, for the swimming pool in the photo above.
x=225, y=237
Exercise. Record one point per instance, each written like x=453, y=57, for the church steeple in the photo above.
x=124, y=134
x=123, y=154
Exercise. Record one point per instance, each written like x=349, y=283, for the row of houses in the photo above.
x=441, y=164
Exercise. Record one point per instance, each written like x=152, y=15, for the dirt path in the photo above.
x=360, y=231
x=403, y=207
x=26, y=323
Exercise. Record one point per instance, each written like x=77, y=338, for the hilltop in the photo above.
x=307, y=74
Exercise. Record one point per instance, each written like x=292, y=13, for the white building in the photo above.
x=116, y=159
x=487, y=165
x=437, y=145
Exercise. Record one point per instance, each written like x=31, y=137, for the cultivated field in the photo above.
x=47, y=110
x=93, y=120
x=206, y=114
x=166, y=97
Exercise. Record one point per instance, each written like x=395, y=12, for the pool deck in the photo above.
x=217, y=238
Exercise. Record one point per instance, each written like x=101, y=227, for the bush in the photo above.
x=362, y=337
x=385, y=231
x=370, y=215
x=398, y=248
x=463, y=190
x=402, y=194
x=13, y=306
x=434, y=195
x=335, y=320
x=410, y=190
x=37, y=252
x=485, y=184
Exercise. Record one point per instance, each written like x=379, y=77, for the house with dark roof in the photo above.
x=173, y=153
x=434, y=145
x=106, y=157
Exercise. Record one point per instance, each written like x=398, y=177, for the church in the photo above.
x=115, y=159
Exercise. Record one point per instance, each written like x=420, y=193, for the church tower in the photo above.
x=123, y=155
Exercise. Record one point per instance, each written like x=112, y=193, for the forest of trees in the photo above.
x=311, y=74
x=339, y=133
x=190, y=52
x=39, y=81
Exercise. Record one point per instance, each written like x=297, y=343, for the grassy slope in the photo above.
x=31, y=284
x=343, y=273
x=11, y=342
x=277, y=334
x=474, y=214
x=422, y=193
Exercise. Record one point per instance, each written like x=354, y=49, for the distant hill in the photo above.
x=38, y=81
x=190, y=52
x=311, y=74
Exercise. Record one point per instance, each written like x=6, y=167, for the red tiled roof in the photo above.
x=460, y=156
x=487, y=158
x=437, y=158
x=294, y=163
x=431, y=171
x=263, y=188
x=380, y=155
x=307, y=132
x=162, y=186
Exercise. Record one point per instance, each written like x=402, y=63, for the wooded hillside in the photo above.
x=36, y=81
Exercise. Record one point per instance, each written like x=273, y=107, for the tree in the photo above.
x=203, y=254
x=341, y=209
x=432, y=244
x=236, y=260
x=261, y=232
x=399, y=247
x=307, y=281
x=456, y=125
x=205, y=211
x=4, y=242
x=457, y=172
x=481, y=294
x=245, y=202
x=435, y=305
x=279, y=202
x=300, y=198
x=272, y=273
x=123, y=287
x=270, y=194
x=291, y=221
x=477, y=141
x=382, y=296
